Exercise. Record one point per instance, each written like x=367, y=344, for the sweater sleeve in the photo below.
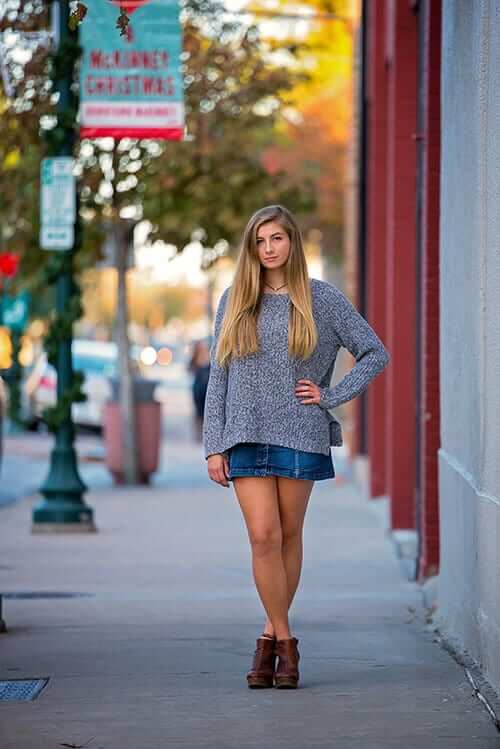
x=215, y=399
x=356, y=335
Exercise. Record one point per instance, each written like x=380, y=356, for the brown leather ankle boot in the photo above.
x=287, y=671
x=261, y=674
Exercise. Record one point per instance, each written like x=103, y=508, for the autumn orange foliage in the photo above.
x=314, y=135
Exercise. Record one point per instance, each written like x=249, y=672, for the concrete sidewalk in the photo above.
x=155, y=656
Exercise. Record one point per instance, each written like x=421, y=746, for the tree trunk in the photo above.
x=127, y=403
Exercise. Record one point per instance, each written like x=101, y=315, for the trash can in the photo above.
x=148, y=430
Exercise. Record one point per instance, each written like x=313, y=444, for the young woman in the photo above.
x=267, y=425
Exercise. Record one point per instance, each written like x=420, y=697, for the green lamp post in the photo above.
x=62, y=507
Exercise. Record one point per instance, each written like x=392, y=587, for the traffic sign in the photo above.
x=58, y=191
x=57, y=203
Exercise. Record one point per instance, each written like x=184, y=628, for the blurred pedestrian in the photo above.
x=199, y=365
x=267, y=423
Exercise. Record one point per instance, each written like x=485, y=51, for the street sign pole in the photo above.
x=62, y=507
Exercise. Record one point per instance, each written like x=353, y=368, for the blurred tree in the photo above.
x=26, y=111
x=216, y=177
x=313, y=134
x=26, y=100
x=213, y=179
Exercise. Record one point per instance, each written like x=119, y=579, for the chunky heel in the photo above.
x=287, y=671
x=261, y=675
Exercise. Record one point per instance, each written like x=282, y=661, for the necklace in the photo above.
x=272, y=287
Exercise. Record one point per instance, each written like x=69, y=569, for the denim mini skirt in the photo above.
x=263, y=459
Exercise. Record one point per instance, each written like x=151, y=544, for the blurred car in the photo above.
x=3, y=412
x=166, y=363
x=98, y=360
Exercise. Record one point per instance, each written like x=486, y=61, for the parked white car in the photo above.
x=99, y=362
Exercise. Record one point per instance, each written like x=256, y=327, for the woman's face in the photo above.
x=273, y=245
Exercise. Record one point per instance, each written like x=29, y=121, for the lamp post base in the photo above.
x=62, y=507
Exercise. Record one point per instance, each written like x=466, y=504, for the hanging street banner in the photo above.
x=131, y=85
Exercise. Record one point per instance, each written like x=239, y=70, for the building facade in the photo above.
x=469, y=465
x=401, y=95
x=429, y=274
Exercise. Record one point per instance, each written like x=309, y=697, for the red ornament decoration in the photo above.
x=9, y=263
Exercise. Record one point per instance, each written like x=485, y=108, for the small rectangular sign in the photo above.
x=57, y=237
x=14, y=310
x=57, y=192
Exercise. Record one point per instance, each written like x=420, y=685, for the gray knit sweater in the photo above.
x=253, y=399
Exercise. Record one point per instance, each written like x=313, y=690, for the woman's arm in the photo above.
x=215, y=399
x=356, y=335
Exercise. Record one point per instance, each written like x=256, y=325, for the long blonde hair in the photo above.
x=238, y=334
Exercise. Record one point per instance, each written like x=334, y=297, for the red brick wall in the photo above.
x=392, y=257
x=428, y=562
x=376, y=236
x=401, y=261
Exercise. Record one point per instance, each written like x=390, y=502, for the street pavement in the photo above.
x=151, y=648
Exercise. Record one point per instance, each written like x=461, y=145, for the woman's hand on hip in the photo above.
x=307, y=389
x=218, y=468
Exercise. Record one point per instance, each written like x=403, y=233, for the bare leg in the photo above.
x=293, y=497
x=258, y=498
